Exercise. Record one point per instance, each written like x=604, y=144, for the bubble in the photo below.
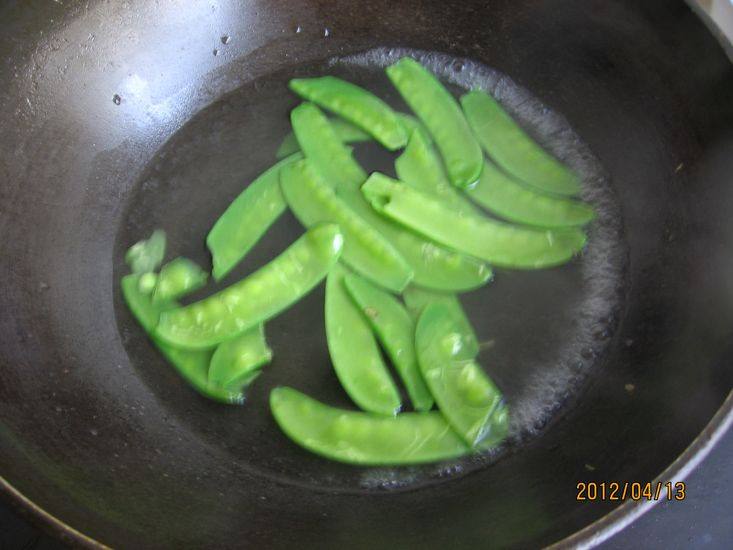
x=389, y=479
x=449, y=469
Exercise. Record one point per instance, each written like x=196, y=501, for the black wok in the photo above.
x=120, y=117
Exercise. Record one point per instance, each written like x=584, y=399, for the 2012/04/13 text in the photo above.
x=626, y=490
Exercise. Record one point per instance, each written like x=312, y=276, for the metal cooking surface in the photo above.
x=96, y=428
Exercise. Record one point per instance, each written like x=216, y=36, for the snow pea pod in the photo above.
x=178, y=278
x=396, y=331
x=366, y=250
x=420, y=167
x=464, y=394
x=513, y=149
x=416, y=299
x=354, y=351
x=147, y=282
x=496, y=242
x=147, y=255
x=364, y=438
x=434, y=266
x=354, y=104
x=237, y=362
x=256, y=298
x=193, y=365
x=145, y=311
x=246, y=219
x=346, y=132
x=321, y=146
x=442, y=116
x=507, y=197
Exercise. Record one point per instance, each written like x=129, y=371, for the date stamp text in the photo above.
x=626, y=490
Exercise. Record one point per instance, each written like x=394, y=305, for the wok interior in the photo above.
x=98, y=430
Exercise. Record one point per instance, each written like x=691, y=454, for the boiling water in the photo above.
x=544, y=332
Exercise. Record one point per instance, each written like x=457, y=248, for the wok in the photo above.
x=121, y=117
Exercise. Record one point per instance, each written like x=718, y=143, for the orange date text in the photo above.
x=593, y=491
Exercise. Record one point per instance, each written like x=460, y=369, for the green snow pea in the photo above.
x=512, y=149
x=193, y=366
x=178, y=278
x=420, y=167
x=147, y=282
x=442, y=116
x=346, y=132
x=509, y=198
x=434, y=266
x=256, y=298
x=496, y=242
x=412, y=125
x=321, y=146
x=464, y=394
x=396, y=330
x=312, y=201
x=416, y=299
x=237, y=362
x=246, y=219
x=354, y=104
x=145, y=311
x=364, y=438
x=147, y=255
x=354, y=351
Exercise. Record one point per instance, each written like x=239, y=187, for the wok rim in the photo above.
x=587, y=537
